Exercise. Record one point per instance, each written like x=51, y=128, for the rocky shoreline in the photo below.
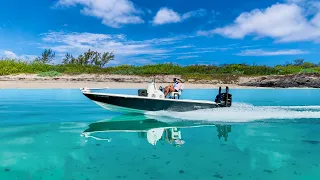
x=286, y=81
x=274, y=81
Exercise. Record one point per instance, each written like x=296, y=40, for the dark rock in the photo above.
x=311, y=142
x=268, y=171
x=6, y=169
x=217, y=175
x=181, y=171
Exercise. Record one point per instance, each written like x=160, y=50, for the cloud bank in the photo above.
x=288, y=22
x=113, y=13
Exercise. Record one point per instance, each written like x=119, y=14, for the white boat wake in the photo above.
x=242, y=112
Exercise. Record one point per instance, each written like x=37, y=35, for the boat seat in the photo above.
x=175, y=95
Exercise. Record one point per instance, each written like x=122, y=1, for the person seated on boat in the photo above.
x=175, y=87
x=169, y=88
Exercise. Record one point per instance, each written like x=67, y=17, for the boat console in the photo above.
x=151, y=91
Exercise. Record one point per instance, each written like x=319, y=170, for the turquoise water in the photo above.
x=267, y=134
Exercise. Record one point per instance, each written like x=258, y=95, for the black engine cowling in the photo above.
x=224, y=99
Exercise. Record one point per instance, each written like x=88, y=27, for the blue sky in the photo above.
x=180, y=31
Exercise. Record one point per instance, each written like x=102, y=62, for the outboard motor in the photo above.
x=224, y=99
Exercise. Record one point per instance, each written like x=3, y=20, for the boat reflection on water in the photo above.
x=151, y=129
x=223, y=131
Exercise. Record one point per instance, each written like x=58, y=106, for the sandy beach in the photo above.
x=32, y=81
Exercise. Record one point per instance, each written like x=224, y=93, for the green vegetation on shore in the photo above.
x=93, y=62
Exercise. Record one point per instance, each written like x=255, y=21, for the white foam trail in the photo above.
x=299, y=107
x=88, y=135
x=241, y=112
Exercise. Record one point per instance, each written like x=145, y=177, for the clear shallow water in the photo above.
x=267, y=134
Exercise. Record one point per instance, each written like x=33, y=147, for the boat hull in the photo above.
x=143, y=104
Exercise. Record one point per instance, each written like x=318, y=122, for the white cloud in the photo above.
x=196, y=13
x=187, y=57
x=12, y=55
x=166, y=16
x=114, y=13
x=184, y=47
x=261, y=52
x=227, y=47
x=186, y=53
x=283, y=22
x=124, y=49
x=295, y=1
x=9, y=54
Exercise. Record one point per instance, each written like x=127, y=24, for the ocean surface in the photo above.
x=60, y=134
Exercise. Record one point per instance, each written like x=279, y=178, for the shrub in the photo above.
x=49, y=74
x=11, y=66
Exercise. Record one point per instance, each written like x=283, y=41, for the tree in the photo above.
x=46, y=56
x=67, y=59
x=106, y=57
x=93, y=58
x=288, y=63
x=88, y=57
x=298, y=62
x=308, y=65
